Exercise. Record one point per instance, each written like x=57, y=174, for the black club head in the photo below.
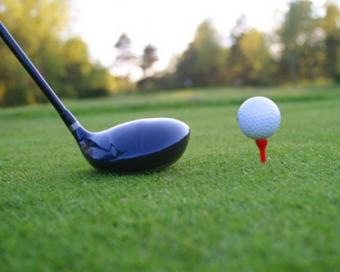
x=140, y=145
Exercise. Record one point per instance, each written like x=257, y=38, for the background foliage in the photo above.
x=304, y=48
x=39, y=27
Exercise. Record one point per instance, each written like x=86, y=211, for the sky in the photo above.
x=168, y=25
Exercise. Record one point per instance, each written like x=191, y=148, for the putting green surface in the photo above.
x=216, y=209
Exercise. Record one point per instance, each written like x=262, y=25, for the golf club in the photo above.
x=136, y=146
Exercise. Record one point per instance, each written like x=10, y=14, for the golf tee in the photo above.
x=262, y=144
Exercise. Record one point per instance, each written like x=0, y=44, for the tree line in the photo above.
x=305, y=47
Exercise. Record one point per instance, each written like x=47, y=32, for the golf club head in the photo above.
x=136, y=146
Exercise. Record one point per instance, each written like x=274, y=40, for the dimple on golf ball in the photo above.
x=259, y=117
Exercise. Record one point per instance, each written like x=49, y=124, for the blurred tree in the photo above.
x=240, y=28
x=149, y=57
x=202, y=62
x=302, y=56
x=331, y=25
x=81, y=77
x=98, y=82
x=125, y=60
x=258, y=66
x=331, y=21
x=38, y=26
x=77, y=67
x=236, y=60
x=249, y=60
x=123, y=45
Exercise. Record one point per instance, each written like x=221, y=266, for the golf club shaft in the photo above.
x=65, y=114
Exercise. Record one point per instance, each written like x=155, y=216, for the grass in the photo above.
x=217, y=209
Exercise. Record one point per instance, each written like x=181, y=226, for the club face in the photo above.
x=137, y=146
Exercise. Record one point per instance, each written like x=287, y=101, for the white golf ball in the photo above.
x=259, y=117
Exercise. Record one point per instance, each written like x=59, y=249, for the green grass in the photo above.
x=217, y=209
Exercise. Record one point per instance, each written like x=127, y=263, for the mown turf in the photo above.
x=217, y=209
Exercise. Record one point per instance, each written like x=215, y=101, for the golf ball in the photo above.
x=259, y=117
